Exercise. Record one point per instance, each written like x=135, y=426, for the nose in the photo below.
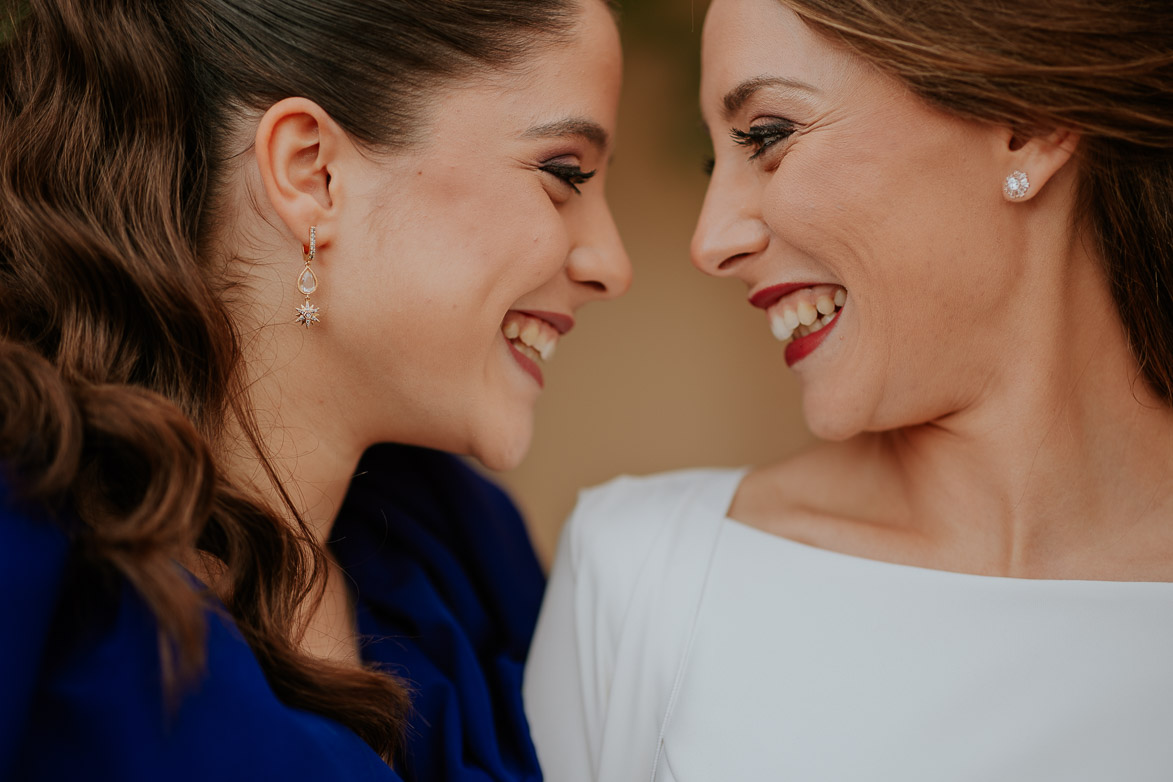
x=730, y=227
x=598, y=263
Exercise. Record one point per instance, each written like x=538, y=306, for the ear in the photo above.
x=1039, y=158
x=298, y=146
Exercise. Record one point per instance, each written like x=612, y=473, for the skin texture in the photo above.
x=421, y=253
x=983, y=408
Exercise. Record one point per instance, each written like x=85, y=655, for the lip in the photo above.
x=768, y=297
x=561, y=322
x=526, y=363
x=801, y=347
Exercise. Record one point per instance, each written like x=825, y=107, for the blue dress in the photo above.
x=80, y=692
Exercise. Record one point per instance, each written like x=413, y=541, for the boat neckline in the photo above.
x=880, y=564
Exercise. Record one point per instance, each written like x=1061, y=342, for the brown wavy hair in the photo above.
x=119, y=363
x=1100, y=68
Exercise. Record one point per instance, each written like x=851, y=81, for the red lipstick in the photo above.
x=768, y=297
x=801, y=347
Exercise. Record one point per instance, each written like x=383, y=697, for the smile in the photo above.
x=801, y=316
x=533, y=338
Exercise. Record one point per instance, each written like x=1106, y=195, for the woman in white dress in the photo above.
x=957, y=217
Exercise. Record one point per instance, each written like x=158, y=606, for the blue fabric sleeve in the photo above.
x=81, y=693
x=32, y=557
x=447, y=591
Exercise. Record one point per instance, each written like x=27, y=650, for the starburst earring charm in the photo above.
x=1016, y=186
x=307, y=283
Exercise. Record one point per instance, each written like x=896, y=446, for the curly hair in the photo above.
x=119, y=363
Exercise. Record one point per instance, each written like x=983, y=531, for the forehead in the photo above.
x=763, y=39
x=578, y=77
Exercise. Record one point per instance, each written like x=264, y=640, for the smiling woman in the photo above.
x=502, y=203
x=242, y=243
x=955, y=216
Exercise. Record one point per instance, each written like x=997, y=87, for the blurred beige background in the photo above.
x=681, y=372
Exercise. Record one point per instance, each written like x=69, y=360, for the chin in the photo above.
x=834, y=419
x=842, y=417
x=503, y=448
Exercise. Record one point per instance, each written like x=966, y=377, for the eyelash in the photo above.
x=568, y=173
x=761, y=137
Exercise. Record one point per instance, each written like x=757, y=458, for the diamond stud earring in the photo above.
x=1016, y=186
x=307, y=283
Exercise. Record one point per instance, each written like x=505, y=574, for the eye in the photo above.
x=761, y=137
x=708, y=164
x=570, y=173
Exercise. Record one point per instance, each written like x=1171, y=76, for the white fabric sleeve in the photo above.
x=616, y=620
x=562, y=717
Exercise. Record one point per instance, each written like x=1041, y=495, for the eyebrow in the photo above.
x=737, y=97
x=590, y=130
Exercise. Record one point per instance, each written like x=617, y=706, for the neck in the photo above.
x=298, y=416
x=1061, y=463
x=312, y=467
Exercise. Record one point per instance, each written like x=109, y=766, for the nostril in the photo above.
x=595, y=285
x=731, y=260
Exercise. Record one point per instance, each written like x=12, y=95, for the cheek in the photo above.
x=911, y=244
x=903, y=232
x=531, y=253
x=825, y=199
x=502, y=237
x=475, y=249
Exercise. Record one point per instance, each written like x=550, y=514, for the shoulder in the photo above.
x=629, y=572
x=82, y=669
x=101, y=674
x=842, y=496
x=34, y=558
x=618, y=524
x=637, y=495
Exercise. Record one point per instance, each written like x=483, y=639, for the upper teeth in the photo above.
x=806, y=311
x=531, y=332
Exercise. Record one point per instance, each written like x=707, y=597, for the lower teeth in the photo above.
x=526, y=350
x=822, y=322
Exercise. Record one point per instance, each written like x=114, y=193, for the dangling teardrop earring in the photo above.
x=307, y=282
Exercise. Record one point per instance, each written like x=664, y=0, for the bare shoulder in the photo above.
x=838, y=479
x=837, y=496
x=850, y=498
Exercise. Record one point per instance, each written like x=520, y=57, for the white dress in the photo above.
x=678, y=644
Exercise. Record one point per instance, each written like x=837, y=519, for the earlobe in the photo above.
x=296, y=145
x=1033, y=161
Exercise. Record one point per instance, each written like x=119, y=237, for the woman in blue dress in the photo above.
x=241, y=245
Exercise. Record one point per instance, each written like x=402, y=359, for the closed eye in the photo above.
x=569, y=173
x=761, y=137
